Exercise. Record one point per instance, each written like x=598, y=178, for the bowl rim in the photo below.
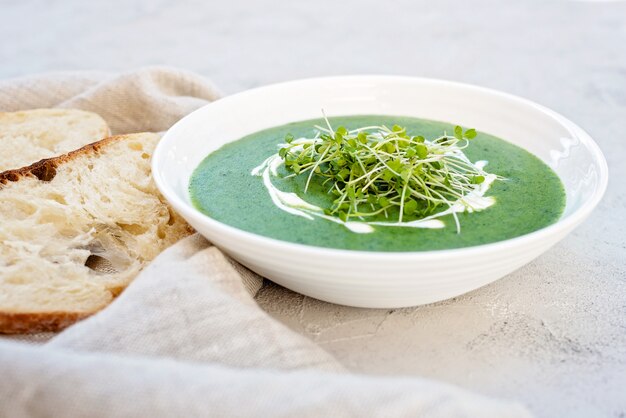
x=561, y=225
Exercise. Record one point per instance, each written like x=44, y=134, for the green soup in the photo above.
x=531, y=197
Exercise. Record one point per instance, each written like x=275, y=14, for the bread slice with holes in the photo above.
x=30, y=135
x=76, y=229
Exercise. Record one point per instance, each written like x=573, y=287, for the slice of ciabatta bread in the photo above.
x=76, y=229
x=31, y=135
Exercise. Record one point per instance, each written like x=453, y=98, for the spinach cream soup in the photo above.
x=377, y=183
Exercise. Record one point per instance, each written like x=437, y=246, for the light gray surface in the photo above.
x=552, y=334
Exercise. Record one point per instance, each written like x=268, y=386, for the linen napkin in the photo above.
x=186, y=338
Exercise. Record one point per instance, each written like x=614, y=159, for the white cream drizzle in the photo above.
x=295, y=205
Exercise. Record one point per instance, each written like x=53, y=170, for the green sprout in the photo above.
x=376, y=170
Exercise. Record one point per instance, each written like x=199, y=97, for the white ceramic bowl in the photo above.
x=382, y=279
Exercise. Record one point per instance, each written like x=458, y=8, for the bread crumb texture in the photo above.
x=77, y=229
x=31, y=135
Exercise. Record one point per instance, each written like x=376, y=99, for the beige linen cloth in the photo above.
x=187, y=338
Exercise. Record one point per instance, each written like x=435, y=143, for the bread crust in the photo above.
x=30, y=323
x=45, y=169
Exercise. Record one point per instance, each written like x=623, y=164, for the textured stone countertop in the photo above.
x=552, y=334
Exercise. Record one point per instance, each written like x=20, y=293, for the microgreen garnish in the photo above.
x=376, y=170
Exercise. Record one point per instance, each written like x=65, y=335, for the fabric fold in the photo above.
x=191, y=304
x=52, y=382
